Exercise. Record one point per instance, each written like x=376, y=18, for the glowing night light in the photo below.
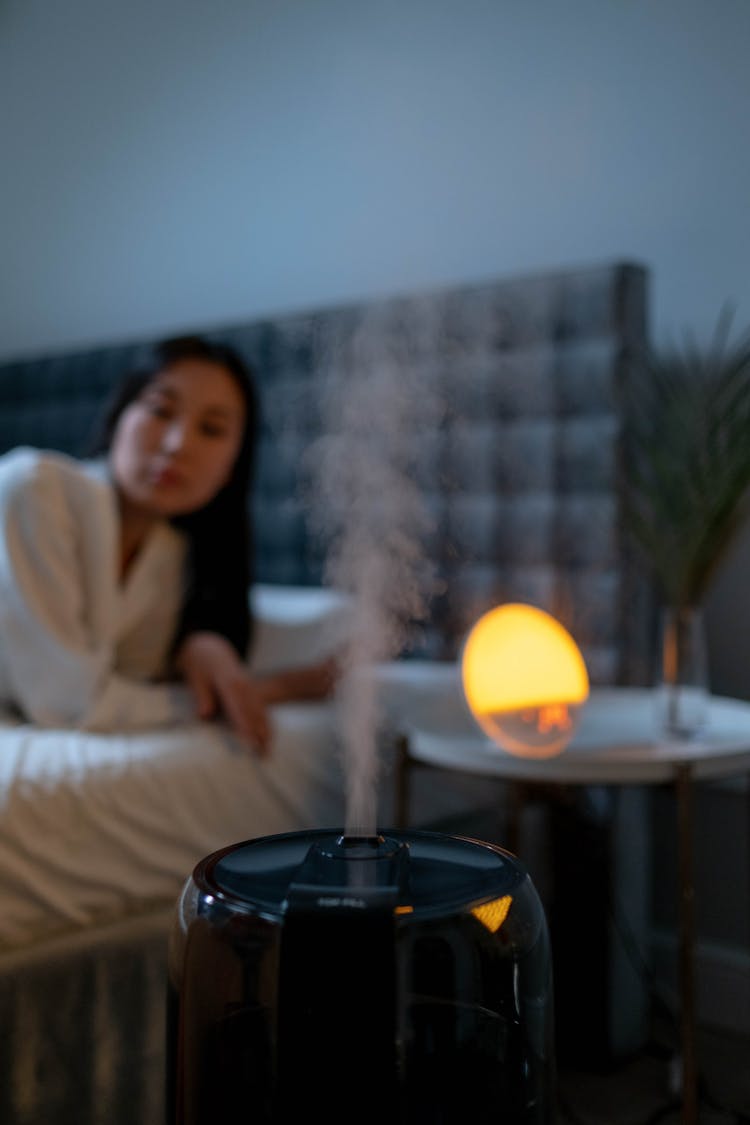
x=524, y=679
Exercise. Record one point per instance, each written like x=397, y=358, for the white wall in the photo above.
x=166, y=163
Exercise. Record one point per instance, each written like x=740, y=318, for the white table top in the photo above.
x=617, y=740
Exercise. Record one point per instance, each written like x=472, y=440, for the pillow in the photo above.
x=296, y=625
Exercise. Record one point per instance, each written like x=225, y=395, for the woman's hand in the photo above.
x=221, y=684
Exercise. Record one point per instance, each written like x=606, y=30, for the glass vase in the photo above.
x=682, y=692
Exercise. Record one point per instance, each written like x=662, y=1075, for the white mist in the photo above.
x=380, y=403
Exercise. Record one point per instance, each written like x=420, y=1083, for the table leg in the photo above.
x=684, y=790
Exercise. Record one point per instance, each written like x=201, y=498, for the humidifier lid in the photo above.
x=417, y=873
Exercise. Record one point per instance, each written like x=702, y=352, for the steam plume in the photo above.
x=380, y=407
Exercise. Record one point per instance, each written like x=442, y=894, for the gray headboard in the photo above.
x=523, y=478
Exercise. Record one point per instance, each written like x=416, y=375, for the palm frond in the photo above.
x=688, y=458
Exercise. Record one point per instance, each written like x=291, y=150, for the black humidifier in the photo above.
x=394, y=978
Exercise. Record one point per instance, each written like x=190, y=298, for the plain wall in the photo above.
x=173, y=162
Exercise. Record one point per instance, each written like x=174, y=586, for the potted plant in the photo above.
x=687, y=479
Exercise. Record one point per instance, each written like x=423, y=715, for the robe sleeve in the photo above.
x=57, y=572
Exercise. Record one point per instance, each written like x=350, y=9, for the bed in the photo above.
x=520, y=467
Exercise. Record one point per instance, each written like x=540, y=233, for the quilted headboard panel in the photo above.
x=525, y=457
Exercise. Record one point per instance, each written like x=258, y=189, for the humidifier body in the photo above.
x=403, y=977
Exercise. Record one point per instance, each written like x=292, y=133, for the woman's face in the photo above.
x=174, y=446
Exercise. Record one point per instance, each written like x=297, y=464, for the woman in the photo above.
x=122, y=575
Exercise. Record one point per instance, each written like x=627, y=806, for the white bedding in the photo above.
x=97, y=827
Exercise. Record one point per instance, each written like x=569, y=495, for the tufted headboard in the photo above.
x=525, y=452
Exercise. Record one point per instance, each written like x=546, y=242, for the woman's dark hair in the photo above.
x=219, y=534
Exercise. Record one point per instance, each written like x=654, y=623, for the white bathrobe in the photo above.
x=77, y=646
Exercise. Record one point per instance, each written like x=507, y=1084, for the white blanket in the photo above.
x=99, y=827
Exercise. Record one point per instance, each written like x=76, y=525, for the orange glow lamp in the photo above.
x=524, y=679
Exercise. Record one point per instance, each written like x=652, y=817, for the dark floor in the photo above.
x=645, y=1090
